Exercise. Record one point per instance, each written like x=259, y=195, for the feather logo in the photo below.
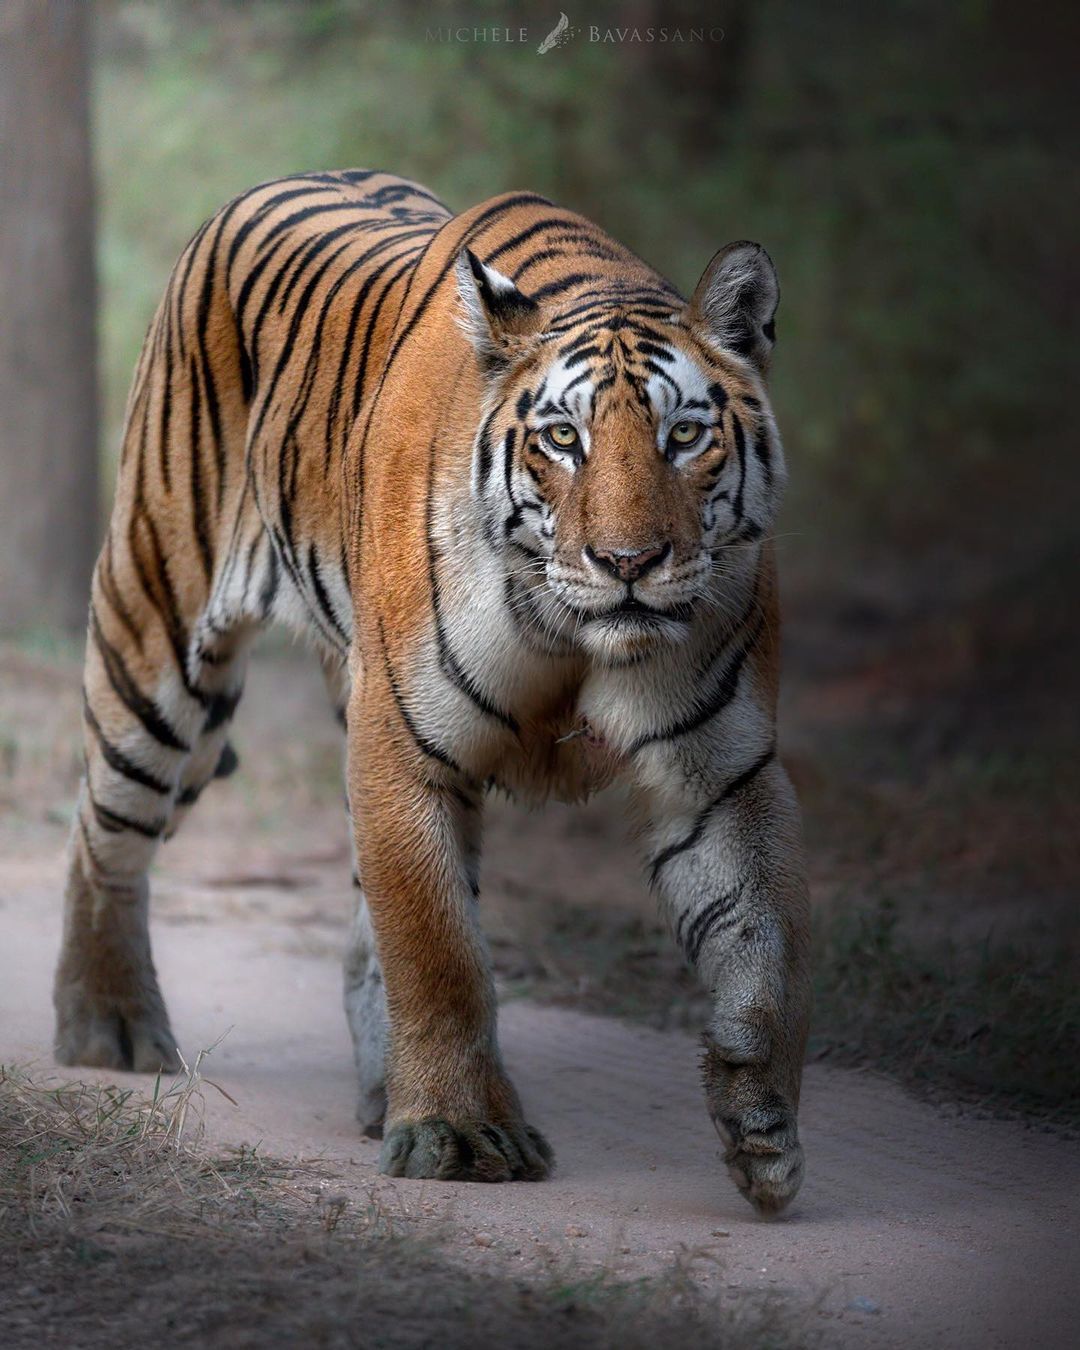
x=556, y=37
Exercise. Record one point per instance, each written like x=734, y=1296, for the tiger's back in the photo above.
x=270, y=336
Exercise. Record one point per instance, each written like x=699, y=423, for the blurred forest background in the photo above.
x=912, y=168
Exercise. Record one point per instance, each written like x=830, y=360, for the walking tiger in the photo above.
x=520, y=492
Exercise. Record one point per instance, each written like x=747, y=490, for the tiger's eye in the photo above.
x=683, y=434
x=563, y=436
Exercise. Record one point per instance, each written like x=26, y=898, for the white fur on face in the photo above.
x=567, y=394
x=680, y=394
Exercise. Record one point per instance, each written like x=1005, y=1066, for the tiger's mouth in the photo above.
x=624, y=619
x=632, y=609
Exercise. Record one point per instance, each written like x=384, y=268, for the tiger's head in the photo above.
x=627, y=443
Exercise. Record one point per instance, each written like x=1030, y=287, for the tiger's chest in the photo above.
x=558, y=755
x=503, y=698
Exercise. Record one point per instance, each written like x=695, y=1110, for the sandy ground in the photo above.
x=916, y=1227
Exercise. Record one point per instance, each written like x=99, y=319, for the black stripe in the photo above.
x=735, y=786
x=279, y=276
x=586, y=246
x=115, y=823
x=717, y=914
x=129, y=694
x=655, y=302
x=530, y=232
x=423, y=744
x=198, y=506
x=107, y=577
x=185, y=277
x=566, y=283
x=169, y=611
x=654, y=368
x=285, y=351
x=647, y=346
x=740, y=450
x=484, y=453
x=352, y=175
x=220, y=710
x=312, y=249
x=395, y=192
x=535, y=259
x=718, y=698
x=581, y=354
x=251, y=280
x=581, y=339
x=118, y=761
x=209, y=387
x=321, y=596
x=763, y=455
x=287, y=462
x=508, y=474
x=578, y=379
x=165, y=417
x=228, y=762
x=269, y=591
x=311, y=370
x=747, y=531
x=285, y=225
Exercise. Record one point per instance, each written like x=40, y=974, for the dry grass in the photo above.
x=82, y=1159
x=118, y=1229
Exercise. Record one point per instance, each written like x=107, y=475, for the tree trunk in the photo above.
x=48, y=375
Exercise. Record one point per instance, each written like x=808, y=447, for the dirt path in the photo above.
x=914, y=1228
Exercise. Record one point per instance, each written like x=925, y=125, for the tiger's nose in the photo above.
x=628, y=566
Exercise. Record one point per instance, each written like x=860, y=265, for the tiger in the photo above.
x=520, y=493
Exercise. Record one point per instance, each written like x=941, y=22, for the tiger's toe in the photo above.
x=471, y=1150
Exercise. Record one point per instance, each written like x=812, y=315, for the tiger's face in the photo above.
x=622, y=459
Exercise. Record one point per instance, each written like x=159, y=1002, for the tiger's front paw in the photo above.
x=465, y=1150
x=758, y=1128
x=764, y=1158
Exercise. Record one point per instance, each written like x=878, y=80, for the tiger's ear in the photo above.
x=735, y=302
x=498, y=318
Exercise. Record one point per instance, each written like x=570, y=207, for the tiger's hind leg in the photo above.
x=154, y=736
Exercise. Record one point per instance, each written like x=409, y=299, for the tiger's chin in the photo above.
x=633, y=632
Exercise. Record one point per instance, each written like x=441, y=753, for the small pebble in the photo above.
x=483, y=1240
